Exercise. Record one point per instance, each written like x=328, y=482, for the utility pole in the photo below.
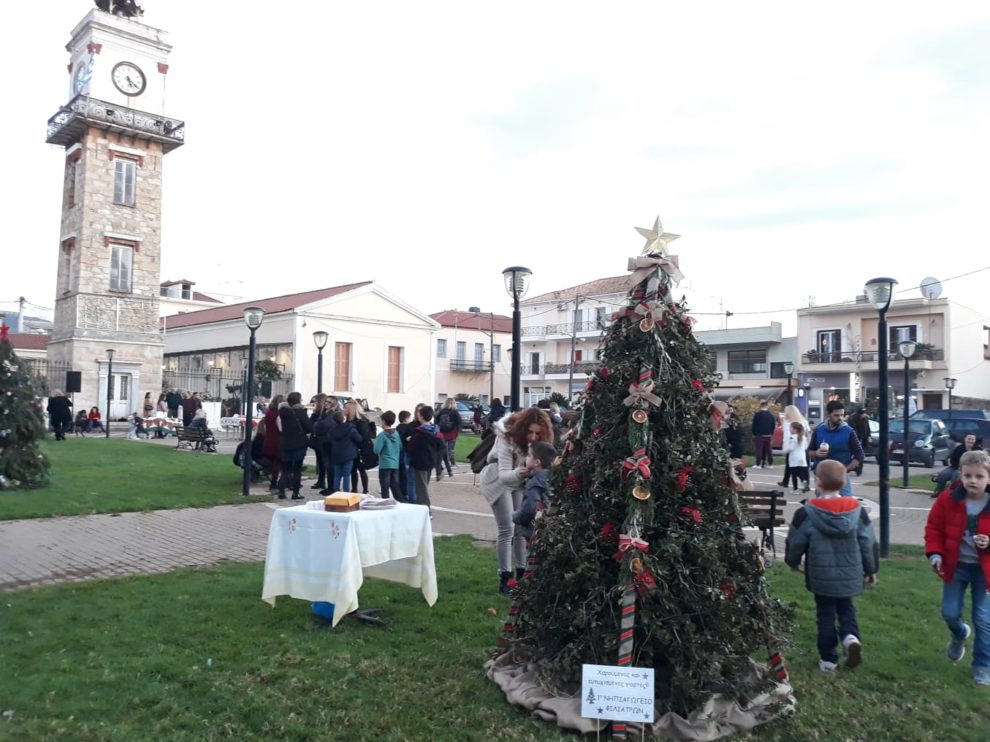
x=491, y=357
x=570, y=375
x=20, y=314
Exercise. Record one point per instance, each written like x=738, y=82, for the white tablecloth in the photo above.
x=320, y=556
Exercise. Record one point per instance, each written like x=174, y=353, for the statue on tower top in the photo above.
x=125, y=8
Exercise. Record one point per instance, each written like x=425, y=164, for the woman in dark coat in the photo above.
x=60, y=413
x=295, y=428
x=366, y=430
x=273, y=440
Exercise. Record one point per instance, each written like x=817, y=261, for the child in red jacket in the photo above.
x=957, y=543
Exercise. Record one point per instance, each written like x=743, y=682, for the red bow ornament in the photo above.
x=639, y=462
x=682, y=477
x=693, y=512
x=627, y=542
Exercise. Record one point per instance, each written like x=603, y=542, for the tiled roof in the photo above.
x=598, y=287
x=471, y=321
x=28, y=340
x=273, y=305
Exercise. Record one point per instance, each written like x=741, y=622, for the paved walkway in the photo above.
x=78, y=548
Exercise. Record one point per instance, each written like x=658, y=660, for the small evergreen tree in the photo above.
x=22, y=424
x=640, y=559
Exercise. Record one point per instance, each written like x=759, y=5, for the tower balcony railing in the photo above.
x=66, y=126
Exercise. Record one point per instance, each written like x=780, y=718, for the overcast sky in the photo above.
x=799, y=149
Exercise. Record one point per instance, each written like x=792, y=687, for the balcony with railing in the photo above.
x=869, y=357
x=564, y=329
x=67, y=126
x=581, y=367
x=471, y=367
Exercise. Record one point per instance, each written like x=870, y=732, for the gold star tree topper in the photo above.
x=656, y=239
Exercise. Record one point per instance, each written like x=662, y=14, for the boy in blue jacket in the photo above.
x=388, y=448
x=834, y=536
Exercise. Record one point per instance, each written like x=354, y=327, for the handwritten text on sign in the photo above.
x=617, y=693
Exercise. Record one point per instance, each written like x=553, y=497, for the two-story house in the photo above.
x=471, y=354
x=753, y=362
x=839, y=356
x=560, y=335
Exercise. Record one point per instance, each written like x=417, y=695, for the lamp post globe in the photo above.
x=880, y=292
x=110, y=352
x=516, y=284
x=253, y=317
x=907, y=348
x=950, y=384
x=320, y=340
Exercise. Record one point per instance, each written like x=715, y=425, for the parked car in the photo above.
x=946, y=415
x=465, y=409
x=928, y=440
x=870, y=446
x=959, y=428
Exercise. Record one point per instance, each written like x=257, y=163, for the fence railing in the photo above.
x=47, y=375
x=224, y=385
x=457, y=364
x=564, y=328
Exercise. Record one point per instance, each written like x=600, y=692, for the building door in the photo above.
x=534, y=363
x=121, y=404
x=829, y=346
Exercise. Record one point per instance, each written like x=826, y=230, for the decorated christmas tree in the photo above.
x=22, y=425
x=640, y=559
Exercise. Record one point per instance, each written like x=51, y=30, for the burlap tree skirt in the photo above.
x=718, y=718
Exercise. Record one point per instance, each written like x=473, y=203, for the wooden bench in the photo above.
x=765, y=510
x=191, y=438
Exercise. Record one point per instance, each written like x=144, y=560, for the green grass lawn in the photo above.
x=915, y=481
x=196, y=655
x=96, y=475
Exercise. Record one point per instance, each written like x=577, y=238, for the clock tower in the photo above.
x=116, y=135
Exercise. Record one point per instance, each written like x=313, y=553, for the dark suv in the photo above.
x=928, y=440
x=466, y=410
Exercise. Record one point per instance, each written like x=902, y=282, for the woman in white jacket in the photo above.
x=502, y=484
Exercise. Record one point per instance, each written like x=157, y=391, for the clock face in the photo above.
x=128, y=78
x=83, y=75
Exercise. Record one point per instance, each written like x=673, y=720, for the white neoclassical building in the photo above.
x=378, y=347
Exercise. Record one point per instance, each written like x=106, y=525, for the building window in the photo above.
x=829, y=346
x=441, y=348
x=747, y=361
x=578, y=355
x=124, y=181
x=902, y=332
x=496, y=353
x=712, y=359
x=70, y=183
x=479, y=353
x=601, y=317
x=125, y=387
x=121, y=265
x=342, y=367
x=534, y=363
x=461, y=350
x=394, y=370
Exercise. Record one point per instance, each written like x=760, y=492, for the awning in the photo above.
x=770, y=394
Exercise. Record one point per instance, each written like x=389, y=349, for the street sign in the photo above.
x=617, y=693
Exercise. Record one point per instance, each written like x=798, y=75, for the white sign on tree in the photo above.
x=617, y=693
